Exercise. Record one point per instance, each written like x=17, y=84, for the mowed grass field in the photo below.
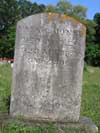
x=90, y=101
x=5, y=87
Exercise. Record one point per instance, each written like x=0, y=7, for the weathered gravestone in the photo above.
x=48, y=68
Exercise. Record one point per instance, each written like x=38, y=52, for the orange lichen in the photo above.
x=52, y=16
x=74, y=20
x=49, y=17
x=83, y=31
x=63, y=18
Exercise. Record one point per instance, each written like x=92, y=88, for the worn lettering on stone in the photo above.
x=48, y=68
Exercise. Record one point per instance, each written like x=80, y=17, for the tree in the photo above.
x=90, y=36
x=27, y=8
x=51, y=8
x=79, y=11
x=64, y=7
x=9, y=14
x=7, y=43
x=92, y=56
x=97, y=20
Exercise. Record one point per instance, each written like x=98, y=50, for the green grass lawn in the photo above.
x=91, y=94
x=5, y=87
x=38, y=128
x=90, y=99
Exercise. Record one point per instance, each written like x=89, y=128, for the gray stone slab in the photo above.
x=84, y=125
x=48, y=68
x=88, y=123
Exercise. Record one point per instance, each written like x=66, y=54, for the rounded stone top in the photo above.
x=53, y=17
x=63, y=17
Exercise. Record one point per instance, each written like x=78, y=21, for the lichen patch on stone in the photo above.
x=63, y=18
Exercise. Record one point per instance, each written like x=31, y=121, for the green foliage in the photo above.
x=97, y=20
x=79, y=11
x=51, y=8
x=90, y=36
x=27, y=8
x=93, y=54
x=10, y=12
x=9, y=15
x=65, y=7
x=7, y=43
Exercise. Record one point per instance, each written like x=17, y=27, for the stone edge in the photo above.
x=52, y=16
x=84, y=122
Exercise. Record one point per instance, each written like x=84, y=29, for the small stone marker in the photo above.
x=48, y=68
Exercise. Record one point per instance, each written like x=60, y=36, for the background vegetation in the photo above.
x=13, y=10
x=10, y=12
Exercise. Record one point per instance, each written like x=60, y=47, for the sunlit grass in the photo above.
x=90, y=101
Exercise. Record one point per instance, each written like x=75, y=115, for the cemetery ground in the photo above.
x=90, y=102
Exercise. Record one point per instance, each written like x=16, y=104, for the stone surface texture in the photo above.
x=88, y=123
x=48, y=68
x=84, y=125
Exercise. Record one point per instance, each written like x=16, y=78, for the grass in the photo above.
x=91, y=94
x=16, y=127
x=90, y=101
x=5, y=86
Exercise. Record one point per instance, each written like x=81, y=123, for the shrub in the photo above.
x=92, y=55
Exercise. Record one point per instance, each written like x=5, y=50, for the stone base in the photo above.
x=84, y=123
x=88, y=123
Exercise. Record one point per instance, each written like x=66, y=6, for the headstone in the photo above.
x=48, y=68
